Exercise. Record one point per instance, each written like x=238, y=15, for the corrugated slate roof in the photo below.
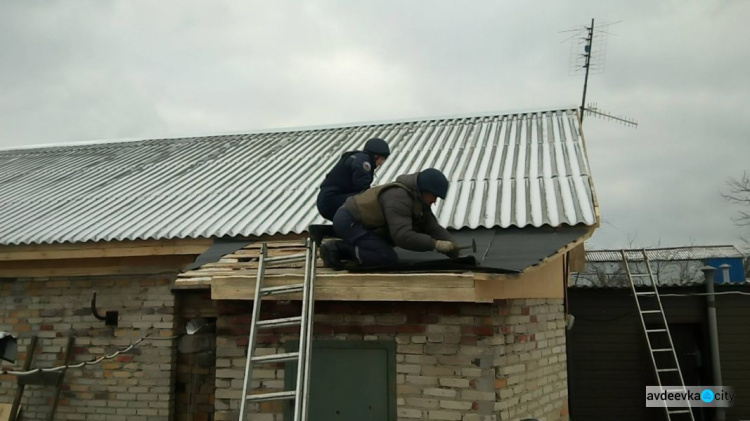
x=666, y=254
x=506, y=170
x=671, y=267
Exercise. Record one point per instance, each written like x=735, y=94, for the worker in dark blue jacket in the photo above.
x=352, y=174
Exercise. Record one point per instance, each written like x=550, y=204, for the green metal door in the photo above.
x=349, y=381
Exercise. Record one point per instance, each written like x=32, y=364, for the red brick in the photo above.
x=422, y=318
x=240, y=320
x=46, y=327
x=410, y=329
x=347, y=329
x=525, y=311
x=445, y=309
x=347, y=308
x=124, y=358
x=226, y=307
x=378, y=329
x=478, y=330
x=468, y=340
x=265, y=339
x=484, y=330
x=320, y=329
x=532, y=319
x=287, y=329
x=234, y=331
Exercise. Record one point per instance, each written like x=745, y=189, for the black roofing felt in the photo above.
x=504, y=250
x=499, y=250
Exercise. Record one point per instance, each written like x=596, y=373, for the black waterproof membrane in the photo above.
x=499, y=250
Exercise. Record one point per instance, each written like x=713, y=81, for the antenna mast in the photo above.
x=587, y=55
x=589, y=60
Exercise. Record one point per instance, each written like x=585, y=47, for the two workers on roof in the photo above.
x=371, y=221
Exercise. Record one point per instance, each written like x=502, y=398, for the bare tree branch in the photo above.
x=739, y=194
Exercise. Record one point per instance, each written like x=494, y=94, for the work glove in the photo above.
x=445, y=247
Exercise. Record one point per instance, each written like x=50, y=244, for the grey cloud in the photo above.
x=143, y=69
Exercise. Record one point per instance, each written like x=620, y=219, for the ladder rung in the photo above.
x=284, y=289
x=273, y=396
x=655, y=330
x=639, y=274
x=679, y=411
x=662, y=370
x=286, y=259
x=645, y=293
x=650, y=311
x=276, y=358
x=288, y=321
x=661, y=350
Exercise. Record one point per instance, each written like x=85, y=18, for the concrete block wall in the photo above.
x=135, y=385
x=467, y=362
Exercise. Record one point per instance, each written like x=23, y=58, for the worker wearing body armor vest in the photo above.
x=352, y=174
x=371, y=223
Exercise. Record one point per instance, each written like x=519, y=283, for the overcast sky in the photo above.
x=96, y=70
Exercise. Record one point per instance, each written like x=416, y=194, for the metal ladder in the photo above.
x=663, y=367
x=300, y=394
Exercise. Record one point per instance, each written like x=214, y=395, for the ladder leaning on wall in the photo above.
x=301, y=393
x=658, y=339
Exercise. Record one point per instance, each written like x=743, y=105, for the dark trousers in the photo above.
x=330, y=200
x=368, y=248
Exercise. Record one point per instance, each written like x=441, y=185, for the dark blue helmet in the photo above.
x=377, y=147
x=432, y=181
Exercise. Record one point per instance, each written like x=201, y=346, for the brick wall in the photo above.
x=136, y=385
x=468, y=362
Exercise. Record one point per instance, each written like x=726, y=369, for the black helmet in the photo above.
x=377, y=147
x=432, y=181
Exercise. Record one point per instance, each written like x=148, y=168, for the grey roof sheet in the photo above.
x=671, y=267
x=666, y=254
x=506, y=170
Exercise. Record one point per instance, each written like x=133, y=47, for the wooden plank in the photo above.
x=104, y=251
x=359, y=287
x=577, y=258
x=361, y=294
x=542, y=282
x=108, y=244
x=30, y=351
x=195, y=283
x=94, y=267
x=347, y=280
x=58, y=388
x=5, y=411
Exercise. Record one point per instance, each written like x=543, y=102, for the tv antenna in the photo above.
x=585, y=55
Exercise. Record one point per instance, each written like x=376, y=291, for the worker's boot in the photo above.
x=334, y=253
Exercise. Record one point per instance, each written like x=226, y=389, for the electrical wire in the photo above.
x=85, y=363
x=706, y=293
